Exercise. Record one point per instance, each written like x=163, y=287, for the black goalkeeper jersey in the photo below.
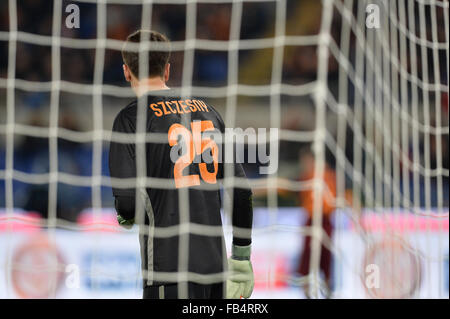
x=182, y=124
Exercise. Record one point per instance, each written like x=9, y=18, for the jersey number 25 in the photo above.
x=196, y=145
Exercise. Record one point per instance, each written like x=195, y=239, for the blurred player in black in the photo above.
x=179, y=161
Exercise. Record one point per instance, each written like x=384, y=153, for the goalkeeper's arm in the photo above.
x=241, y=281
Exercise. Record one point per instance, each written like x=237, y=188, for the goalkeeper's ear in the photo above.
x=167, y=72
x=126, y=73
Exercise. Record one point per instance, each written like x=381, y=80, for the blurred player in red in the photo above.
x=306, y=198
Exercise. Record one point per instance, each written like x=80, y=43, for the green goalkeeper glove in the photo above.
x=128, y=224
x=241, y=281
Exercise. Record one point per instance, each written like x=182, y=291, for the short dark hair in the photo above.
x=157, y=60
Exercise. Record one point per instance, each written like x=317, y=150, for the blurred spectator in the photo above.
x=33, y=156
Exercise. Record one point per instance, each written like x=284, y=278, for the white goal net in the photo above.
x=350, y=98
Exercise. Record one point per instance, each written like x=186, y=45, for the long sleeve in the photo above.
x=242, y=215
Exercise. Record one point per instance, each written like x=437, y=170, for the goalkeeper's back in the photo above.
x=183, y=121
x=186, y=164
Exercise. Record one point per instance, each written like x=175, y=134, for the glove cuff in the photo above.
x=241, y=252
x=126, y=223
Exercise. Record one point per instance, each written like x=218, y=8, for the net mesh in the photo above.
x=369, y=78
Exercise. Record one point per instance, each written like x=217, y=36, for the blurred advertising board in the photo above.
x=98, y=259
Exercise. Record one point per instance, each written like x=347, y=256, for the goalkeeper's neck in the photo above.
x=141, y=87
x=144, y=85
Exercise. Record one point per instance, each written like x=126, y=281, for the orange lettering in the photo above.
x=191, y=106
x=156, y=110
x=178, y=107
x=204, y=105
x=168, y=105
x=197, y=104
x=164, y=108
x=184, y=106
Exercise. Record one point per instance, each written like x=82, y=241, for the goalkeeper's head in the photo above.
x=155, y=56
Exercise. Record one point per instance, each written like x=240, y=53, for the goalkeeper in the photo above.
x=184, y=121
